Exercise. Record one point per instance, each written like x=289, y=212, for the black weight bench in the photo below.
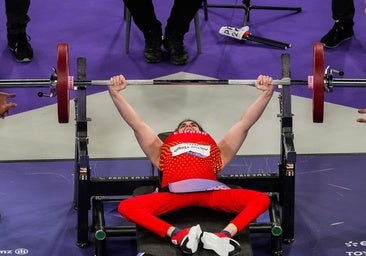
x=209, y=220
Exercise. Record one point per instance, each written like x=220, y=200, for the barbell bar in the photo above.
x=61, y=82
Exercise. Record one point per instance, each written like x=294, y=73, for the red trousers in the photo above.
x=145, y=209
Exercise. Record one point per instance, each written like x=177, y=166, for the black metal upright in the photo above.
x=288, y=156
x=82, y=165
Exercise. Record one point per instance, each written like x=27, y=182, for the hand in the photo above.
x=264, y=83
x=362, y=120
x=117, y=84
x=4, y=105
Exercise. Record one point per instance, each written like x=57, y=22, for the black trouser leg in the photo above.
x=16, y=14
x=344, y=11
x=181, y=15
x=143, y=14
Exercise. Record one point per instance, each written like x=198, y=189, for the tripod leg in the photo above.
x=248, y=7
x=205, y=11
x=248, y=36
x=246, y=4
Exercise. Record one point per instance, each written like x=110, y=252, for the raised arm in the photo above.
x=146, y=137
x=236, y=135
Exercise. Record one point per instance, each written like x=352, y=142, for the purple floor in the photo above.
x=38, y=215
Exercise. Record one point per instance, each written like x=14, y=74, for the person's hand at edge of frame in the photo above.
x=5, y=106
x=361, y=120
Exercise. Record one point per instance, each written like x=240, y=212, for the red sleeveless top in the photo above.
x=188, y=155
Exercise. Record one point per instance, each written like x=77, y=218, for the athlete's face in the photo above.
x=188, y=126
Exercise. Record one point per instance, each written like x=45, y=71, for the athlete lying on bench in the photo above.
x=190, y=156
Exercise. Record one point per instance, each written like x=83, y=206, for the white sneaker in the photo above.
x=223, y=246
x=191, y=239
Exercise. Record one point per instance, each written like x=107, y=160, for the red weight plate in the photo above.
x=318, y=87
x=63, y=92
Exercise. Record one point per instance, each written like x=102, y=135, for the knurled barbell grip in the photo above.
x=189, y=81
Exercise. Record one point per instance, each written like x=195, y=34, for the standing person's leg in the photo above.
x=181, y=15
x=17, y=20
x=143, y=14
x=343, y=12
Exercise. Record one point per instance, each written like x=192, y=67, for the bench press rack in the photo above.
x=91, y=192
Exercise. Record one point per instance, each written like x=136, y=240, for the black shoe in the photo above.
x=20, y=46
x=152, y=50
x=339, y=33
x=173, y=43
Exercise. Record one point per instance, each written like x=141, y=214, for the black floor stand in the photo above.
x=247, y=6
